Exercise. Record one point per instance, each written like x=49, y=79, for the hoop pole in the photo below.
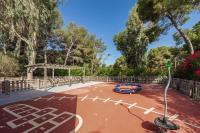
x=165, y=94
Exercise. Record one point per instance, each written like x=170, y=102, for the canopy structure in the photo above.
x=31, y=68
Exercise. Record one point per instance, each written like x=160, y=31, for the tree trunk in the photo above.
x=31, y=62
x=93, y=57
x=31, y=53
x=183, y=35
x=68, y=52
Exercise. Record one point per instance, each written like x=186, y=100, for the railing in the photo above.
x=138, y=79
x=187, y=87
x=13, y=86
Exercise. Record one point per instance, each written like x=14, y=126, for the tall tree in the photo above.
x=81, y=47
x=72, y=37
x=132, y=42
x=27, y=21
x=97, y=48
x=167, y=13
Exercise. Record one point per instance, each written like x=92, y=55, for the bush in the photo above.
x=190, y=67
x=9, y=66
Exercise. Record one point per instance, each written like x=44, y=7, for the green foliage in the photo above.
x=65, y=73
x=80, y=47
x=105, y=71
x=158, y=57
x=166, y=13
x=120, y=63
x=28, y=24
x=156, y=10
x=9, y=65
x=132, y=42
x=28, y=28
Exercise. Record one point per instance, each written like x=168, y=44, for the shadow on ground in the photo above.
x=187, y=109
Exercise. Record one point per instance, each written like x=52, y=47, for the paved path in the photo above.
x=26, y=95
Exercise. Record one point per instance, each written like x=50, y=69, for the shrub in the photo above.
x=9, y=66
x=190, y=67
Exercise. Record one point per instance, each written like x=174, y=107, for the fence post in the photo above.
x=17, y=85
x=195, y=95
x=21, y=85
x=38, y=83
x=191, y=87
x=6, y=87
x=25, y=85
x=13, y=86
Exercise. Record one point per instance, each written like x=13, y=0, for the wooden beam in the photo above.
x=52, y=66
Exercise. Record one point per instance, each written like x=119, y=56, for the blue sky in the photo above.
x=105, y=18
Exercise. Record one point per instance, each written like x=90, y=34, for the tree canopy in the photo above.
x=30, y=30
x=132, y=42
x=27, y=24
x=167, y=13
x=80, y=47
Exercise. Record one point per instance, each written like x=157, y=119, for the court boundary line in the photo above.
x=116, y=102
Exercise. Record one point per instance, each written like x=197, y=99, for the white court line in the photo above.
x=37, y=99
x=118, y=102
x=12, y=106
x=72, y=98
x=13, y=125
x=161, y=114
x=173, y=117
x=50, y=98
x=193, y=125
x=24, y=111
x=94, y=99
x=143, y=108
x=19, y=108
x=148, y=111
x=61, y=98
x=33, y=123
x=132, y=105
x=106, y=100
x=80, y=123
x=84, y=98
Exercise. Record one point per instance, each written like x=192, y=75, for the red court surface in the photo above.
x=97, y=109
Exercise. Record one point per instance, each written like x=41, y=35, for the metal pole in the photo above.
x=83, y=75
x=165, y=95
x=69, y=74
x=45, y=68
